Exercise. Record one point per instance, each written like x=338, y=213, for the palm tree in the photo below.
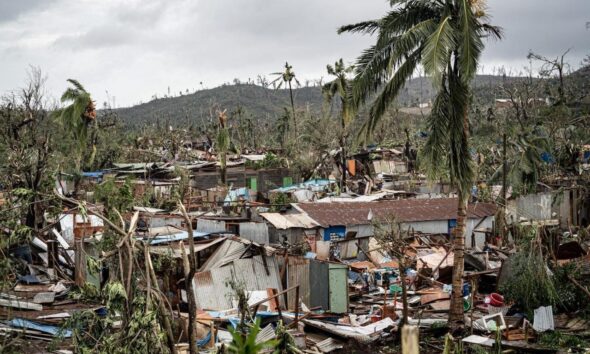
x=341, y=87
x=446, y=38
x=286, y=77
x=223, y=144
x=76, y=118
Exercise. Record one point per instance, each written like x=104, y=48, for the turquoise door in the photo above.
x=338, y=275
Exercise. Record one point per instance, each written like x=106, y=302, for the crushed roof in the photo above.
x=404, y=210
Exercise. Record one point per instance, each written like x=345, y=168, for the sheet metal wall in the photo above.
x=298, y=273
x=211, y=293
x=255, y=231
x=531, y=207
x=206, y=225
x=210, y=289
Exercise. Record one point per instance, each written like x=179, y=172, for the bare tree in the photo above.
x=395, y=242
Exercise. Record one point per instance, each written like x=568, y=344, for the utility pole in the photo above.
x=504, y=171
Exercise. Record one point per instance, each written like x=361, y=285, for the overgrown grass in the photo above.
x=557, y=340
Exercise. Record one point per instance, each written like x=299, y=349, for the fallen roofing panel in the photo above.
x=148, y=210
x=183, y=235
x=53, y=330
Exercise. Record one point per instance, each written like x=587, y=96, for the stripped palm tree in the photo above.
x=287, y=77
x=445, y=37
x=76, y=119
x=223, y=144
x=341, y=87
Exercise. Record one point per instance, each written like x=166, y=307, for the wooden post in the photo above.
x=80, y=260
x=52, y=258
x=275, y=295
x=474, y=283
x=410, y=343
x=296, y=305
x=189, y=265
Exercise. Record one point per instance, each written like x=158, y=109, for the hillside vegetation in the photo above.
x=263, y=103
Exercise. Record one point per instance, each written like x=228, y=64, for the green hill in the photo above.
x=268, y=104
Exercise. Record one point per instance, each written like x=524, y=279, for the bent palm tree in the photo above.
x=76, y=119
x=446, y=38
x=287, y=77
x=341, y=87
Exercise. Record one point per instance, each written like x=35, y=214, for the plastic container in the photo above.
x=466, y=305
x=496, y=300
x=466, y=289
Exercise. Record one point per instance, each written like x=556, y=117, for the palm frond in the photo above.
x=414, y=38
x=371, y=72
x=76, y=84
x=435, y=152
x=391, y=89
x=437, y=49
x=495, y=32
x=365, y=27
x=471, y=45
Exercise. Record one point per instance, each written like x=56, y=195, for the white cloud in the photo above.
x=137, y=48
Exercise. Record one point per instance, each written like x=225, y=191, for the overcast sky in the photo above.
x=134, y=49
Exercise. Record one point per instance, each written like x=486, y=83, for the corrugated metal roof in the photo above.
x=329, y=345
x=266, y=334
x=227, y=252
x=290, y=221
x=405, y=210
x=231, y=250
x=359, y=199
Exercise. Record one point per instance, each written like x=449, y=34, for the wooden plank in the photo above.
x=428, y=298
x=21, y=305
x=32, y=288
x=443, y=305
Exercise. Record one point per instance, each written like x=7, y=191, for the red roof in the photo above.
x=404, y=210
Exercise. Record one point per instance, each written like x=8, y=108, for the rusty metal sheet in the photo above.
x=298, y=274
x=405, y=210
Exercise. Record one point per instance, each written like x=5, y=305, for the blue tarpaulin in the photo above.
x=95, y=174
x=53, y=330
x=203, y=342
